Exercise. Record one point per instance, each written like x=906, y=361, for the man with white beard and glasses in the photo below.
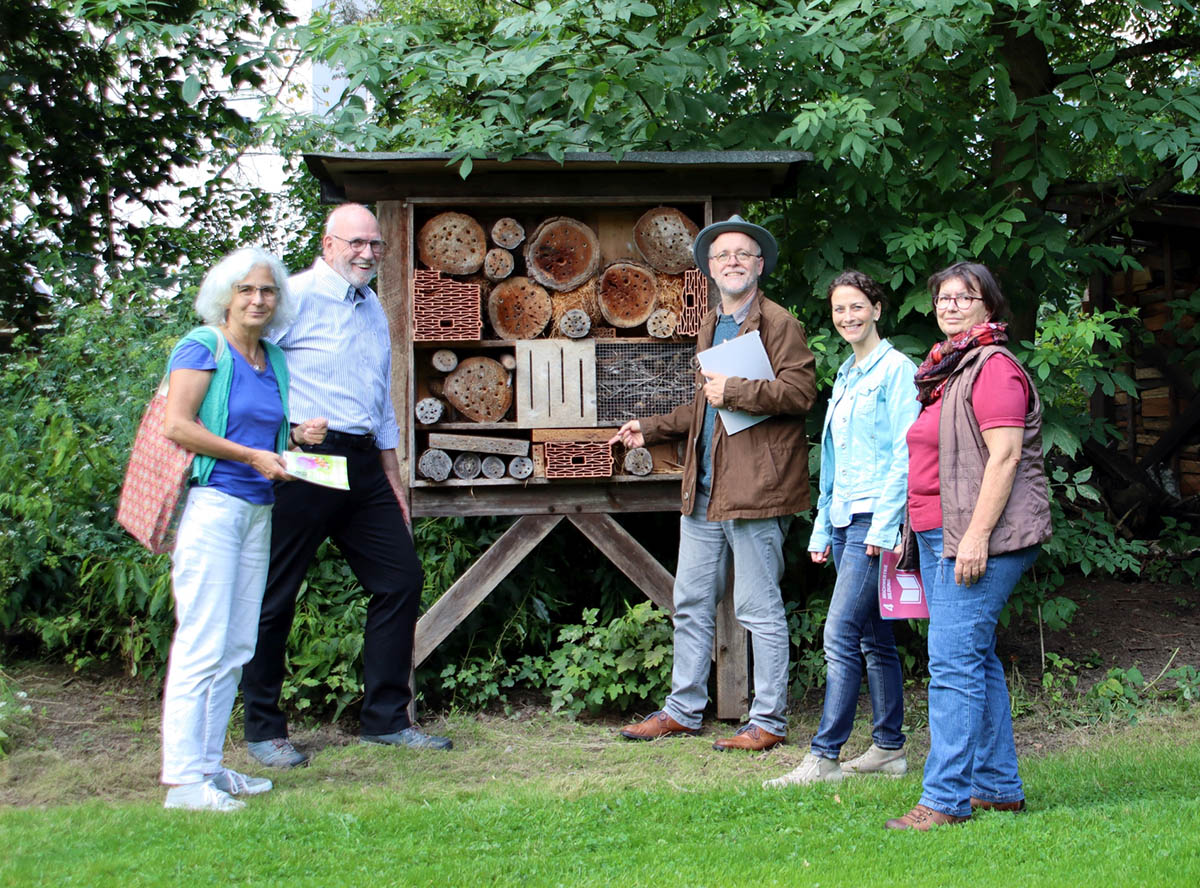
x=339, y=357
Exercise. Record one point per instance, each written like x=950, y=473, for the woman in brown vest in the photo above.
x=978, y=513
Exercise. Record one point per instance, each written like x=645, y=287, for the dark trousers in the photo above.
x=366, y=524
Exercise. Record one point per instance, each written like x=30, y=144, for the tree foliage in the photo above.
x=941, y=129
x=104, y=104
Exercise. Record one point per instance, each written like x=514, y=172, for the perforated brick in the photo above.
x=445, y=310
x=695, y=302
x=578, y=459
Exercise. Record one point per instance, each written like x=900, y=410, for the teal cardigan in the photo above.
x=214, y=409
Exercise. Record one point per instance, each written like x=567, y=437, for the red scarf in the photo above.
x=944, y=357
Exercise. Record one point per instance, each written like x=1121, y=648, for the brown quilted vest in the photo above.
x=962, y=456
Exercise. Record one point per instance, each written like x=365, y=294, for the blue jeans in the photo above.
x=853, y=626
x=705, y=547
x=971, y=749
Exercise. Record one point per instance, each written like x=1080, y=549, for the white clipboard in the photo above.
x=742, y=356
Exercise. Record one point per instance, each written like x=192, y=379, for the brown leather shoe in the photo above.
x=750, y=737
x=983, y=805
x=923, y=818
x=655, y=725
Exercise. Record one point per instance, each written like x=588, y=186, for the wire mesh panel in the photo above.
x=636, y=379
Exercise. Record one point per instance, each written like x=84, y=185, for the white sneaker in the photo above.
x=892, y=762
x=230, y=781
x=201, y=796
x=813, y=769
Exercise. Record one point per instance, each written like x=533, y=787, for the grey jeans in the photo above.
x=705, y=547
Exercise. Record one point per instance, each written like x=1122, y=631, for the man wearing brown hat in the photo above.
x=739, y=490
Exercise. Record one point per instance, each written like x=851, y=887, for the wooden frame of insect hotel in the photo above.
x=534, y=307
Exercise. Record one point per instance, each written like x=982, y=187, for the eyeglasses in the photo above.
x=742, y=256
x=357, y=244
x=961, y=301
x=250, y=290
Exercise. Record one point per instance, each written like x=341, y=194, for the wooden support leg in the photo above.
x=630, y=556
x=480, y=579
x=733, y=661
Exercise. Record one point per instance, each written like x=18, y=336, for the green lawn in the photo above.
x=548, y=802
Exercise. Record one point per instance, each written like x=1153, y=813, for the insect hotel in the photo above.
x=534, y=308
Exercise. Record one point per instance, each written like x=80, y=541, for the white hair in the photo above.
x=216, y=290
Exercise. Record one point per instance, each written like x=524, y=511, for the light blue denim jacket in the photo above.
x=873, y=462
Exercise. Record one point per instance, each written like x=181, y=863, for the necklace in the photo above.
x=258, y=363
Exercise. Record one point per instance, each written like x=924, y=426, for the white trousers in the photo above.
x=221, y=554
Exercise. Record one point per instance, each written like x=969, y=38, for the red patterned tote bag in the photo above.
x=155, y=481
x=152, y=496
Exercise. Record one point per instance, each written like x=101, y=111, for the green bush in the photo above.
x=619, y=664
x=68, y=574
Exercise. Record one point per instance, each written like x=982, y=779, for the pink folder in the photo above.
x=901, y=592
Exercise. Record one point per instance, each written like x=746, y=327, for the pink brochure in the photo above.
x=901, y=592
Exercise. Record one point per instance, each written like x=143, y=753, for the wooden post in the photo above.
x=733, y=660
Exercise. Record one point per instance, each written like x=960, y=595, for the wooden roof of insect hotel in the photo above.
x=746, y=175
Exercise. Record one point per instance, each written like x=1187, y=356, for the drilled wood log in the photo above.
x=436, y=387
x=497, y=264
x=508, y=361
x=429, y=410
x=662, y=323
x=444, y=360
x=493, y=467
x=562, y=253
x=520, y=467
x=479, y=444
x=627, y=294
x=575, y=323
x=518, y=308
x=435, y=465
x=508, y=233
x=467, y=466
x=453, y=243
x=638, y=461
x=664, y=237
x=480, y=389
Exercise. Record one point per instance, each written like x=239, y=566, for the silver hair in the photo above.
x=216, y=290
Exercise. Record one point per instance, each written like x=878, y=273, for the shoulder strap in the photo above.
x=217, y=347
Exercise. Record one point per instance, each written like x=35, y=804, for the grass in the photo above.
x=543, y=801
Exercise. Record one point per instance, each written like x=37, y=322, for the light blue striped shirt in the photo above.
x=339, y=355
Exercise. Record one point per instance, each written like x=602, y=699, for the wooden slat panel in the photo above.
x=556, y=384
x=479, y=580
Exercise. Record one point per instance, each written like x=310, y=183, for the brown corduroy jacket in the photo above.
x=762, y=471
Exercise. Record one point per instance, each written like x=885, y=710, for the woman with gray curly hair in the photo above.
x=226, y=403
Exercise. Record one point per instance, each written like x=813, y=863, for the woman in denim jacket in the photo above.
x=864, y=471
